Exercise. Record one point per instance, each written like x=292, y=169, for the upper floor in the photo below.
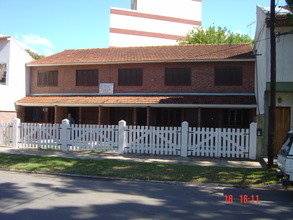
x=168, y=69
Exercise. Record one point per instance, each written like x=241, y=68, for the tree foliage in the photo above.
x=198, y=35
x=290, y=6
x=34, y=55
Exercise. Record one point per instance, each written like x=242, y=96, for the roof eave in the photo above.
x=154, y=105
x=139, y=61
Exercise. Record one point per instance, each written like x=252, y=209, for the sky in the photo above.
x=51, y=26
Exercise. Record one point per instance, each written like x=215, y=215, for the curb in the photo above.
x=188, y=184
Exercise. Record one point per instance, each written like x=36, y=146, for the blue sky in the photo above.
x=51, y=26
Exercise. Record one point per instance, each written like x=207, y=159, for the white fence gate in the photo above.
x=92, y=137
x=183, y=141
x=217, y=142
x=153, y=140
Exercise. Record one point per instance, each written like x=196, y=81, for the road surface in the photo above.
x=33, y=196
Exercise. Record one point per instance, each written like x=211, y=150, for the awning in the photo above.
x=141, y=101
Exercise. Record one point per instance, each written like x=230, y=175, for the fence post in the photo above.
x=39, y=135
x=184, y=139
x=63, y=133
x=15, y=132
x=252, y=140
x=121, y=136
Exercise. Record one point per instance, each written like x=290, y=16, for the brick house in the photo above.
x=206, y=85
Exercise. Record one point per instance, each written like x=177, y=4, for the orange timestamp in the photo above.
x=242, y=198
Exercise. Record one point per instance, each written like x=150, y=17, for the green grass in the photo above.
x=133, y=170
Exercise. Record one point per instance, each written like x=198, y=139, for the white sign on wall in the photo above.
x=106, y=88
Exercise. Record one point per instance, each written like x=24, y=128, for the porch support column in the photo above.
x=148, y=115
x=55, y=114
x=199, y=117
x=134, y=116
x=79, y=115
x=99, y=115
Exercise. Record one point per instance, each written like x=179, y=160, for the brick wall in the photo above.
x=153, y=79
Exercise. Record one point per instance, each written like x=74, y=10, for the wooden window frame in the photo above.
x=130, y=76
x=47, y=78
x=228, y=76
x=87, y=77
x=233, y=117
x=178, y=76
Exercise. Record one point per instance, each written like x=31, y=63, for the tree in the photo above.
x=198, y=35
x=34, y=55
x=290, y=6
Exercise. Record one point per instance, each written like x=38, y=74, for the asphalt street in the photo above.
x=33, y=196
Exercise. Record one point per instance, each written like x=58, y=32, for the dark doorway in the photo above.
x=141, y=114
x=74, y=113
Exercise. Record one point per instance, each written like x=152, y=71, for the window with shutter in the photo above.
x=130, y=77
x=178, y=76
x=228, y=75
x=47, y=78
x=87, y=77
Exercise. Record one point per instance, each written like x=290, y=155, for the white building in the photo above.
x=153, y=22
x=284, y=73
x=13, y=76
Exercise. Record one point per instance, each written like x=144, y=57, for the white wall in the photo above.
x=262, y=51
x=175, y=9
x=124, y=40
x=284, y=48
x=149, y=25
x=284, y=53
x=187, y=9
x=15, y=88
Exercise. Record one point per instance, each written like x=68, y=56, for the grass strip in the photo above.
x=135, y=170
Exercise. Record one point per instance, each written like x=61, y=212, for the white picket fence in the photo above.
x=178, y=141
x=6, y=134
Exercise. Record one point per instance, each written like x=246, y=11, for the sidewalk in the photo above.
x=193, y=161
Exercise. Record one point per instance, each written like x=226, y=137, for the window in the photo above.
x=285, y=150
x=233, y=118
x=130, y=77
x=48, y=78
x=3, y=74
x=228, y=75
x=177, y=76
x=168, y=117
x=87, y=77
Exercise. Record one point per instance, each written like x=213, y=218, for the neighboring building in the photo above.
x=13, y=76
x=206, y=85
x=153, y=22
x=284, y=70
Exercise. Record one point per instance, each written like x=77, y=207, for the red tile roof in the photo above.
x=5, y=37
x=138, y=100
x=177, y=53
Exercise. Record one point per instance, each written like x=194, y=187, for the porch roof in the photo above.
x=245, y=101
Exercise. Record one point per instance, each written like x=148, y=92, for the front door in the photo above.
x=282, y=126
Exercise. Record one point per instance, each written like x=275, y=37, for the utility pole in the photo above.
x=272, y=108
